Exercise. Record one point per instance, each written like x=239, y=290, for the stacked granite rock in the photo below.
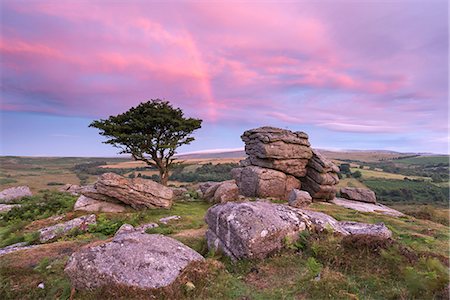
x=321, y=178
x=279, y=161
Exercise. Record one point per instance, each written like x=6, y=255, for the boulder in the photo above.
x=367, y=207
x=59, y=230
x=271, y=142
x=355, y=228
x=320, y=222
x=136, y=192
x=7, y=207
x=206, y=185
x=254, y=181
x=91, y=192
x=179, y=193
x=225, y=192
x=299, y=198
x=251, y=229
x=256, y=229
x=358, y=194
x=132, y=259
x=211, y=190
x=88, y=204
x=14, y=193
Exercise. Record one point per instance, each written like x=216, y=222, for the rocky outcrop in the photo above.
x=221, y=192
x=278, y=149
x=88, y=204
x=59, y=230
x=321, y=178
x=367, y=207
x=14, y=193
x=137, y=192
x=254, y=181
x=358, y=194
x=132, y=259
x=279, y=161
x=251, y=229
x=256, y=229
x=299, y=198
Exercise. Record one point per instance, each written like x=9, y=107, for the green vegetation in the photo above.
x=40, y=206
x=408, y=191
x=206, y=172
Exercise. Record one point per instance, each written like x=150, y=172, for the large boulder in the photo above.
x=91, y=192
x=255, y=181
x=132, y=259
x=299, y=198
x=278, y=149
x=59, y=230
x=256, y=229
x=14, y=193
x=358, y=194
x=88, y=204
x=251, y=229
x=137, y=192
x=321, y=178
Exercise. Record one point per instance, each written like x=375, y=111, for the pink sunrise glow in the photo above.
x=364, y=67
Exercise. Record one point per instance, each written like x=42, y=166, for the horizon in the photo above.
x=225, y=150
x=355, y=76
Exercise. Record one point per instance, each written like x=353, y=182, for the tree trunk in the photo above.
x=164, y=176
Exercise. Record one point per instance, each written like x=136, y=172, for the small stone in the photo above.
x=168, y=219
x=189, y=286
x=41, y=285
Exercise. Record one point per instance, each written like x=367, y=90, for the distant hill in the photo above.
x=361, y=155
x=212, y=155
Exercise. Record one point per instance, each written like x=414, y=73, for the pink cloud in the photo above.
x=290, y=62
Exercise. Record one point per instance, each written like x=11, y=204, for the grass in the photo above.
x=317, y=267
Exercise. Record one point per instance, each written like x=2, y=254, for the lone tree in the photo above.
x=150, y=132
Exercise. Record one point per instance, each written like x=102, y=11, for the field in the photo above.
x=413, y=266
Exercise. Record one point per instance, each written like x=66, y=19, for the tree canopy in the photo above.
x=150, y=132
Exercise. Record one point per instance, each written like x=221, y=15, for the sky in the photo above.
x=368, y=75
